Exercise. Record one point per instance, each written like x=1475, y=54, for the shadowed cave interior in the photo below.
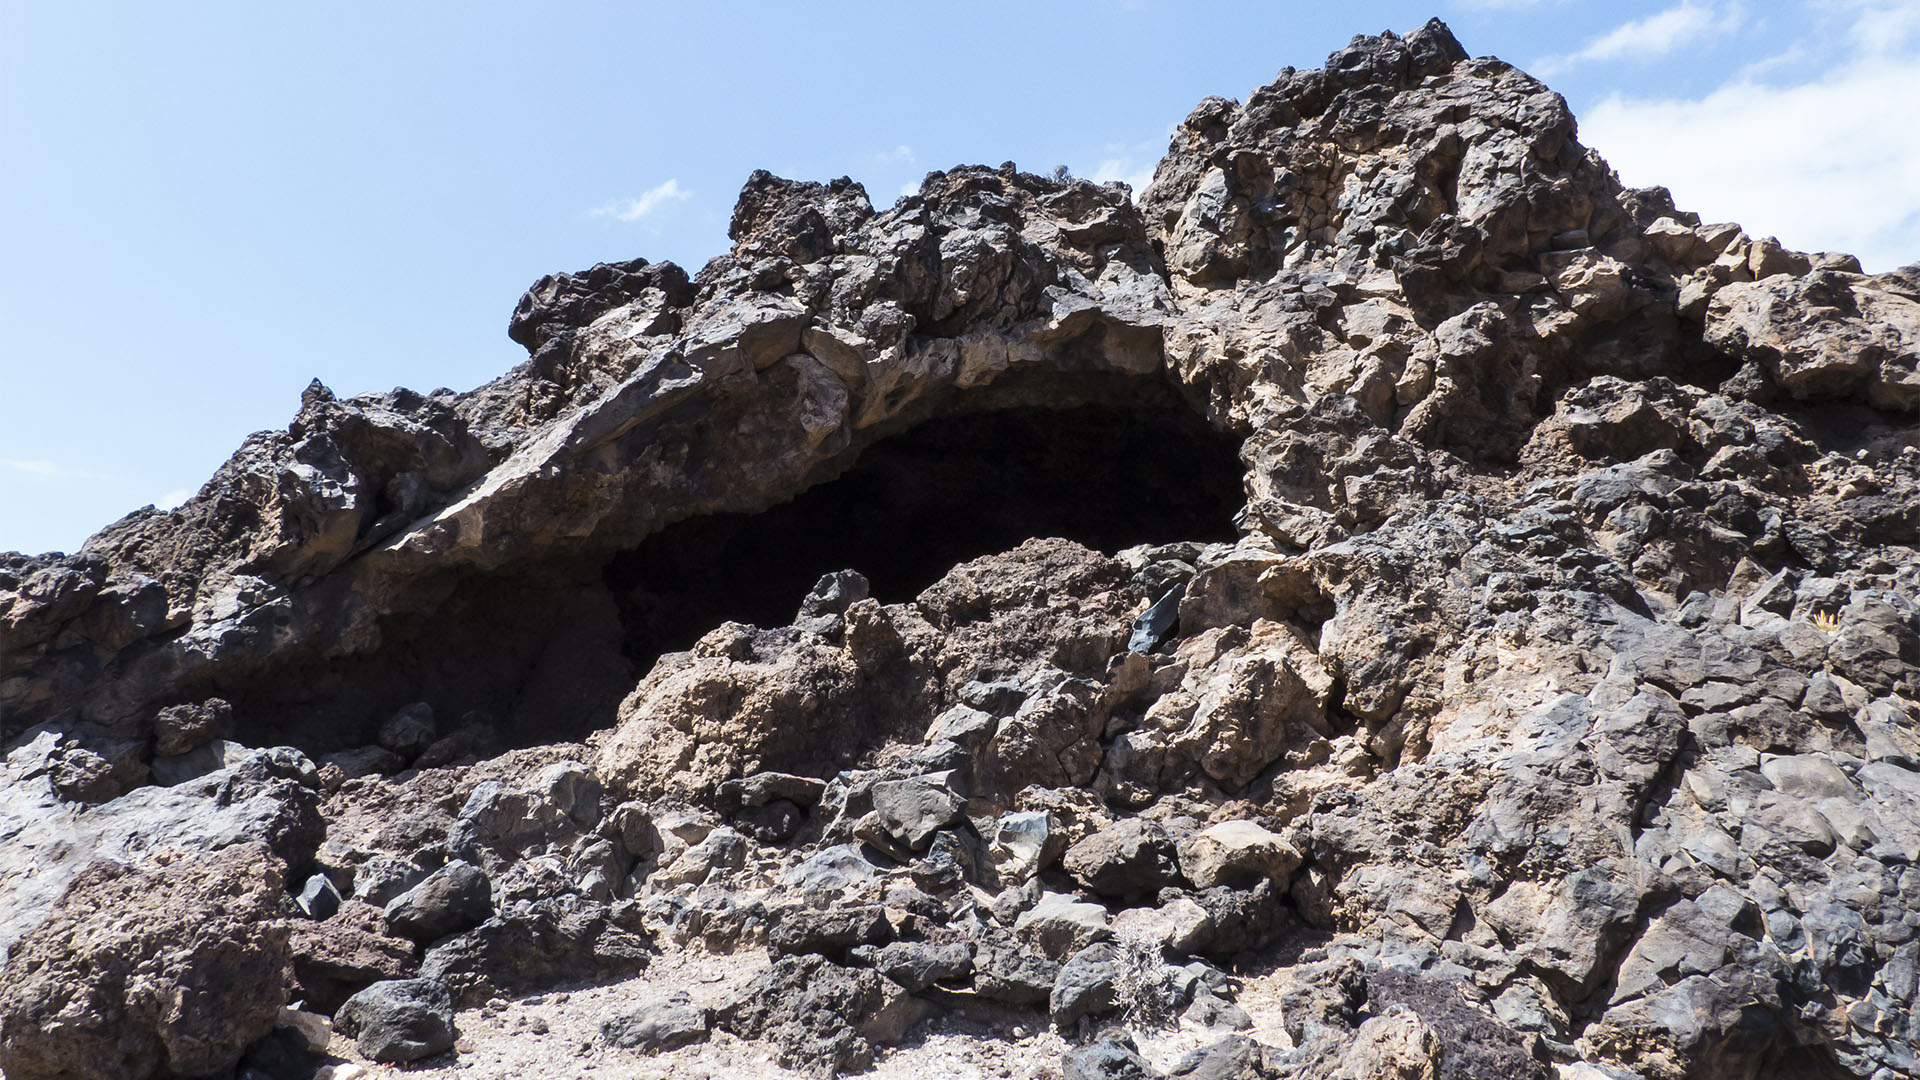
x=546, y=653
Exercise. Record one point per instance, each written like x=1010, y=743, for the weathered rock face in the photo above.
x=169, y=969
x=1472, y=598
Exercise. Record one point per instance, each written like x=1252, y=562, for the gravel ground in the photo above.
x=556, y=1036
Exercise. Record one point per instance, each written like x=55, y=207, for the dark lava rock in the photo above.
x=453, y=898
x=398, y=1021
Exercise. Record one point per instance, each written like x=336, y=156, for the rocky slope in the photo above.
x=1389, y=603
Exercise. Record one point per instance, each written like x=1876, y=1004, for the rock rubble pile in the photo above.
x=1389, y=603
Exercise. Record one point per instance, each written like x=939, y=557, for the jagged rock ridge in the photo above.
x=1532, y=690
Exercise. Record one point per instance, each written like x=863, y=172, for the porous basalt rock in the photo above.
x=1469, y=600
x=171, y=968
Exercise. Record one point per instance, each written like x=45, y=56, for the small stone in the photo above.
x=178, y=729
x=830, y=931
x=1179, y=926
x=317, y=1030
x=1006, y=972
x=318, y=898
x=917, y=965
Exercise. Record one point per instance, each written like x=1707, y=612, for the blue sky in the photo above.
x=205, y=205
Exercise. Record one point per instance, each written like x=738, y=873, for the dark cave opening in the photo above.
x=545, y=653
x=917, y=504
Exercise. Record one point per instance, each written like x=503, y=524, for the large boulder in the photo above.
x=168, y=967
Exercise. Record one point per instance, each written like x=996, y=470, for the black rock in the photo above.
x=1004, y=971
x=453, y=898
x=399, y=1020
x=1156, y=623
x=409, y=731
x=318, y=898
x=1088, y=985
x=1113, y=1057
x=828, y=931
x=917, y=965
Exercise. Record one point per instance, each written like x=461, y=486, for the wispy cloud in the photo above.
x=1879, y=27
x=650, y=200
x=172, y=499
x=45, y=469
x=1132, y=171
x=899, y=155
x=1806, y=161
x=1654, y=36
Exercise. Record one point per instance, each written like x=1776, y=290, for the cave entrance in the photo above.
x=545, y=653
x=917, y=504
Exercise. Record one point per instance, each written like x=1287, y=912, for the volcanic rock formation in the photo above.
x=1390, y=602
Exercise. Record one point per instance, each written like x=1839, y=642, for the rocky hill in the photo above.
x=1390, y=602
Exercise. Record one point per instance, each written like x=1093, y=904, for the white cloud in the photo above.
x=1880, y=27
x=649, y=201
x=1136, y=174
x=1654, y=36
x=1827, y=163
x=172, y=499
x=48, y=470
x=899, y=155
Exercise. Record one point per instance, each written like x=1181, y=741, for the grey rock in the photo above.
x=912, y=811
x=408, y=732
x=455, y=897
x=1023, y=844
x=318, y=898
x=1155, y=623
x=180, y=729
x=1131, y=857
x=534, y=945
x=763, y=788
x=656, y=1028
x=822, y=1018
x=1088, y=985
x=834, y=593
x=1235, y=1057
x=176, y=970
x=1060, y=926
x=1236, y=853
x=398, y=1021
x=828, y=931
x=917, y=965
x=1112, y=1057
x=831, y=868
x=1005, y=971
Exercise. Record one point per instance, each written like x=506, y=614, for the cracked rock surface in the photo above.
x=1389, y=602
